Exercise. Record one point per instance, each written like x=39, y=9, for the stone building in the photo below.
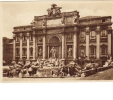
x=63, y=35
x=7, y=50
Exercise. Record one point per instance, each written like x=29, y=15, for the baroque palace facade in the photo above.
x=69, y=35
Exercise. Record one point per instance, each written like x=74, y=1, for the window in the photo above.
x=103, y=20
x=24, y=38
x=17, y=51
x=24, y=51
x=92, y=35
x=103, y=49
x=92, y=50
x=31, y=51
x=103, y=33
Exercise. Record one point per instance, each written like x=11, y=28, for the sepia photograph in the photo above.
x=57, y=41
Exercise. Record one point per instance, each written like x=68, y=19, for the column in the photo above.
x=34, y=45
x=87, y=42
x=48, y=52
x=98, y=42
x=27, y=46
x=63, y=44
x=20, y=46
x=75, y=43
x=44, y=47
x=14, y=42
x=109, y=42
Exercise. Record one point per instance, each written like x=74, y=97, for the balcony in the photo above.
x=92, y=40
x=17, y=44
x=103, y=55
x=92, y=55
x=17, y=55
x=103, y=39
x=82, y=40
x=24, y=55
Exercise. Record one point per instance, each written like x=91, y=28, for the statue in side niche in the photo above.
x=40, y=39
x=69, y=52
x=40, y=52
x=70, y=37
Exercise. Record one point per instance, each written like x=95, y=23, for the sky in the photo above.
x=22, y=13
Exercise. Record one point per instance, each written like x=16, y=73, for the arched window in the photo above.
x=24, y=51
x=103, y=33
x=17, y=51
x=92, y=50
x=103, y=49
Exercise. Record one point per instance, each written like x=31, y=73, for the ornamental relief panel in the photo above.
x=54, y=31
x=69, y=37
x=40, y=39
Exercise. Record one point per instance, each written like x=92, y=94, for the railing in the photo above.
x=103, y=55
x=103, y=39
x=92, y=55
x=92, y=40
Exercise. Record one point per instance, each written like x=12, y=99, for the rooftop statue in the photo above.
x=54, y=10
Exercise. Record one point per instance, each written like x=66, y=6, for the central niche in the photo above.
x=54, y=39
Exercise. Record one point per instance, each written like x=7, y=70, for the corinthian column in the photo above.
x=109, y=41
x=33, y=45
x=27, y=46
x=75, y=43
x=20, y=46
x=63, y=44
x=44, y=47
x=87, y=42
x=14, y=36
x=98, y=42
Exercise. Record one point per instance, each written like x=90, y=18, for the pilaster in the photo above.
x=75, y=43
x=98, y=42
x=20, y=46
x=34, y=45
x=14, y=42
x=87, y=41
x=109, y=32
x=63, y=43
x=27, y=35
